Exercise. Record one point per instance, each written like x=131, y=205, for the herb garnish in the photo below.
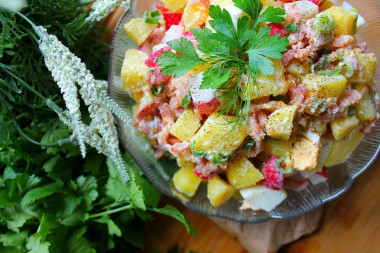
x=230, y=53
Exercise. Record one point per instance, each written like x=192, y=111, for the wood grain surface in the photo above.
x=351, y=223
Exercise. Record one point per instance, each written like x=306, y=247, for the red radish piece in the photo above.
x=204, y=99
x=161, y=7
x=273, y=179
x=175, y=32
x=277, y=28
x=319, y=177
x=171, y=18
x=317, y=2
x=151, y=61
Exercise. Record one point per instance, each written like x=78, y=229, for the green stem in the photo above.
x=116, y=210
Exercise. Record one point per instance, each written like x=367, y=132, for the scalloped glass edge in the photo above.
x=160, y=172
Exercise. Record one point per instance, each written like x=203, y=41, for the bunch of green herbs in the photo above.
x=51, y=199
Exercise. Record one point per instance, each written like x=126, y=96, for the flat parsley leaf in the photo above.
x=251, y=7
x=213, y=78
x=271, y=14
x=206, y=43
x=178, y=65
x=41, y=192
x=262, y=47
x=222, y=23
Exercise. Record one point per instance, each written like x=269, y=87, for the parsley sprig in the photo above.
x=229, y=54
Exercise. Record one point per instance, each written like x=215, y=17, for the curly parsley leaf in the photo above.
x=178, y=65
x=271, y=14
x=262, y=47
x=252, y=8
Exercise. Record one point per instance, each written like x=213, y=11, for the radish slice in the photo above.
x=204, y=99
x=318, y=178
x=174, y=32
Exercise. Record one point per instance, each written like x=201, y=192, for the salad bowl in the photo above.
x=160, y=172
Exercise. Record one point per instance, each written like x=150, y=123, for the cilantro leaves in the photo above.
x=228, y=52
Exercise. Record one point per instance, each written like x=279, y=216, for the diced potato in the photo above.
x=174, y=5
x=305, y=154
x=218, y=136
x=195, y=15
x=278, y=148
x=341, y=127
x=367, y=68
x=241, y=173
x=317, y=126
x=269, y=85
x=280, y=123
x=326, y=5
x=185, y=181
x=267, y=3
x=221, y=3
x=365, y=110
x=133, y=73
x=299, y=69
x=186, y=125
x=344, y=20
x=218, y=191
x=322, y=87
x=341, y=150
x=138, y=30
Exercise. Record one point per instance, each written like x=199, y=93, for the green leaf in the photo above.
x=116, y=190
x=206, y=43
x=14, y=239
x=41, y=192
x=222, y=23
x=251, y=7
x=113, y=229
x=292, y=27
x=77, y=242
x=53, y=136
x=15, y=218
x=271, y=14
x=87, y=188
x=136, y=193
x=174, y=213
x=48, y=221
x=213, y=78
x=93, y=163
x=37, y=245
x=185, y=100
x=151, y=193
x=9, y=173
x=262, y=47
x=178, y=65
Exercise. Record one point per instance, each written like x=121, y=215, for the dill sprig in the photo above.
x=233, y=56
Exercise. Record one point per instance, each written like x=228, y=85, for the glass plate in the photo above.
x=160, y=172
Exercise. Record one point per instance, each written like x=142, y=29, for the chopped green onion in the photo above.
x=152, y=17
x=278, y=166
x=249, y=144
x=322, y=103
x=196, y=153
x=351, y=110
x=219, y=158
x=347, y=68
x=336, y=71
x=151, y=69
x=185, y=100
x=325, y=23
x=157, y=90
x=292, y=27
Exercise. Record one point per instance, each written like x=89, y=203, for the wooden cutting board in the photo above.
x=351, y=223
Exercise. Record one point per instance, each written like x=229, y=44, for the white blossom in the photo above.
x=101, y=8
x=13, y=4
x=69, y=72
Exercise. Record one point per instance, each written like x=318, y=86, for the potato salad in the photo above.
x=253, y=98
